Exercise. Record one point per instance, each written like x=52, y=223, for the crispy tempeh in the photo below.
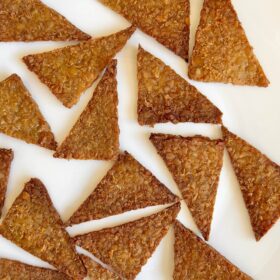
x=195, y=259
x=33, y=224
x=98, y=272
x=31, y=20
x=15, y=270
x=96, y=133
x=6, y=157
x=20, y=115
x=127, y=186
x=126, y=248
x=164, y=96
x=195, y=163
x=259, y=180
x=69, y=71
x=165, y=20
x=222, y=52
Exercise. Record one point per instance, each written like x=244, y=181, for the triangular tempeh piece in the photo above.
x=195, y=163
x=127, y=186
x=31, y=20
x=20, y=115
x=259, y=180
x=14, y=270
x=222, y=52
x=163, y=96
x=69, y=71
x=167, y=21
x=98, y=272
x=33, y=224
x=6, y=157
x=195, y=259
x=126, y=248
x=96, y=133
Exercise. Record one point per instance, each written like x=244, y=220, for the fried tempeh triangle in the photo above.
x=33, y=224
x=222, y=52
x=20, y=115
x=69, y=71
x=96, y=133
x=98, y=272
x=195, y=259
x=163, y=96
x=127, y=186
x=167, y=21
x=31, y=20
x=126, y=248
x=14, y=270
x=259, y=179
x=195, y=163
x=6, y=157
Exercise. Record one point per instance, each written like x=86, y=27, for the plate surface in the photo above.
x=253, y=113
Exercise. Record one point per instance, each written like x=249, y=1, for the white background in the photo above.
x=253, y=113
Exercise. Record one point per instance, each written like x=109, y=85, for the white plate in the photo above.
x=253, y=113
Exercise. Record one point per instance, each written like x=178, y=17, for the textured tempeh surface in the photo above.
x=98, y=272
x=6, y=157
x=20, y=115
x=127, y=186
x=195, y=163
x=96, y=133
x=195, y=260
x=14, y=270
x=126, y=248
x=33, y=224
x=222, y=52
x=163, y=96
x=168, y=21
x=31, y=20
x=259, y=180
x=69, y=71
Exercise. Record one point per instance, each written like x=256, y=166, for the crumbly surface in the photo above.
x=126, y=248
x=31, y=20
x=195, y=163
x=69, y=71
x=14, y=270
x=98, y=272
x=33, y=224
x=20, y=116
x=96, y=133
x=222, y=52
x=127, y=186
x=6, y=157
x=194, y=259
x=168, y=21
x=163, y=96
x=259, y=179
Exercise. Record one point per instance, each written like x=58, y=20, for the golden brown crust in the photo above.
x=127, y=186
x=14, y=270
x=222, y=52
x=6, y=157
x=259, y=179
x=33, y=224
x=96, y=133
x=195, y=163
x=69, y=71
x=126, y=248
x=194, y=259
x=168, y=21
x=20, y=115
x=98, y=272
x=163, y=96
x=31, y=20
